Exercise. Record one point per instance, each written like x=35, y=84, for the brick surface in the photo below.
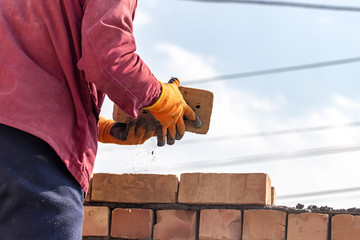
x=134, y=188
x=132, y=223
x=87, y=197
x=202, y=103
x=96, y=221
x=308, y=226
x=264, y=225
x=175, y=225
x=199, y=100
x=214, y=188
x=222, y=224
x=345, y=227
x=273, y=196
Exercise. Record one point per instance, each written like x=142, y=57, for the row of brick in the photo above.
x=212, y=224
x=193, y=188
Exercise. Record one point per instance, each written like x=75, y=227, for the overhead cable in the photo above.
x=264, y=158
x=273, y=71
x=320, y=193
x=287, y=4
x=274, y=133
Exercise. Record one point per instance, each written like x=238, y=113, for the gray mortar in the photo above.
x=196, y=207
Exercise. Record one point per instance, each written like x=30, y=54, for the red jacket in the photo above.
x=58, y=58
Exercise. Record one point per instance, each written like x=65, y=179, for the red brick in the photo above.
x=224, y=188
x=175, y=225
x=199, y=100
x=88, y=195
x=220, y=224
x=308, y=226
x=273, y=196
x=134, y=188
x=202, y=102
x=345, y=227
x=96, y=221
x=132, y=223
x=264, y=225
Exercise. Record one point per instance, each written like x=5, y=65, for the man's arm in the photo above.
x=110, y=62
x=108, y=55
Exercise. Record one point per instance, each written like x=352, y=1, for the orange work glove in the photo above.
x=134, y=133
x=170, y=110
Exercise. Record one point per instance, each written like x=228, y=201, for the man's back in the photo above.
x=42, y=92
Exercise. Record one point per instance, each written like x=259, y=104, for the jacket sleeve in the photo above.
x=108, y=55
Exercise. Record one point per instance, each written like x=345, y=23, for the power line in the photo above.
x=287, y=4
x=274, y=133
x=273, y=71
x=271, y=157
x=320, y=193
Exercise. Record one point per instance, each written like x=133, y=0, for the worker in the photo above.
x=58, y=60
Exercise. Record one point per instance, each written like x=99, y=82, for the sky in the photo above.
x=196, y=40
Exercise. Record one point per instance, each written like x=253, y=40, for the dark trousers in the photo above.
x=39, y=198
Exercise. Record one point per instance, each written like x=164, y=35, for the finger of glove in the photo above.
x=192, y=116
x=175, y=81
x=150, y=133
x=171, y=134
x=131, y=133
x=129, y=127
x=140, y=134
x=161, y=133
x=145, y=130
x=180, y=129
x=151, y=129
x=118, y=130
x=169, y=139
x=141, y=127
x=178, y=135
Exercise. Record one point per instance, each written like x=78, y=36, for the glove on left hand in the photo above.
x=134, y=133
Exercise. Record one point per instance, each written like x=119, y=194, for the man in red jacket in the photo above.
x=58, y=60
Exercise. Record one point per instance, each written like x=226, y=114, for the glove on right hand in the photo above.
x=170, y=110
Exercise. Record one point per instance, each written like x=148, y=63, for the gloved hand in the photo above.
x=170, y=110
x=133, y=133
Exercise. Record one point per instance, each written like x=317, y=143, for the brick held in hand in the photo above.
x=201, y=101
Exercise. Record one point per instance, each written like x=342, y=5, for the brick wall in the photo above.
x=205, y=207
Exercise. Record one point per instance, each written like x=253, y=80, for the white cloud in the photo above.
x=345, y=102
x=184, y=63
x=142, y=19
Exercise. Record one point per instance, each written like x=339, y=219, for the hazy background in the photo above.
x=197, y=40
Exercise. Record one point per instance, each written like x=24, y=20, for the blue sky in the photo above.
x=193, y=40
